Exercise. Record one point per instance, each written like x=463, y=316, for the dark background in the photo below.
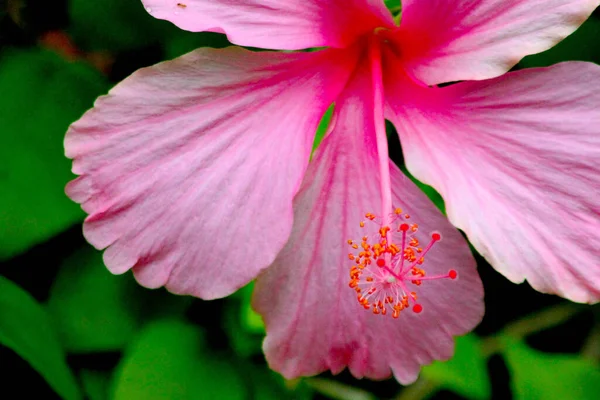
x=125, y=342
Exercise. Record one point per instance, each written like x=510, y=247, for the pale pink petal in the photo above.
x=277, y=24
x=313, y=320
x=444, y=41
x=188, y=168
x=517, y=159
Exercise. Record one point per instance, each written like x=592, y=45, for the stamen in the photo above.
x=382, y=270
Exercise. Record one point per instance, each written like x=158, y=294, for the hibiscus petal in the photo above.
x=517, y=160
x=313, y=320
x=444, y=41
x=188, y=168
x=277, y=24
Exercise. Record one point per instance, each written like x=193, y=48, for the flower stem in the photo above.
x=532, y=323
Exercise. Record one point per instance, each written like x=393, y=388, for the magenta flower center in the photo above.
x=385, y=270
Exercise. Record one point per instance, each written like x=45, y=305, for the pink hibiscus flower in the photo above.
x=195, y=171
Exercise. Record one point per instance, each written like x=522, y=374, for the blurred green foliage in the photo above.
x=42, y=94
x=540, y=376
x=166, y=346
x=95, y=384
x=114, y=25
x=93, y=310
x=26, y=328
x=168, y=360
x=465, y=373
x=117, y=25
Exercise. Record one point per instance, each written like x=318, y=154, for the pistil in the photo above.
x=379, y=274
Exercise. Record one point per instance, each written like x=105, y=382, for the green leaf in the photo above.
x=322, y=128
x=26, y=329
x=244, y=327
x=266, y=388
x=393, y=4
x=465, y=373
x=94, y=310
x=95, y=384
x=250, y=320
x=268, y=385
x=169, y=361
x=580, y=46
x=537, y=375
x=41, y=95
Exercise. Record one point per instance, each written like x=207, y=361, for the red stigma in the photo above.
x=452, y=274
x=403, y=227
x=436, y=236
x=417, y=308
x=381, y=262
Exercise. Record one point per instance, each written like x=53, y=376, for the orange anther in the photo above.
x=396, y=248
x=383, y=231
